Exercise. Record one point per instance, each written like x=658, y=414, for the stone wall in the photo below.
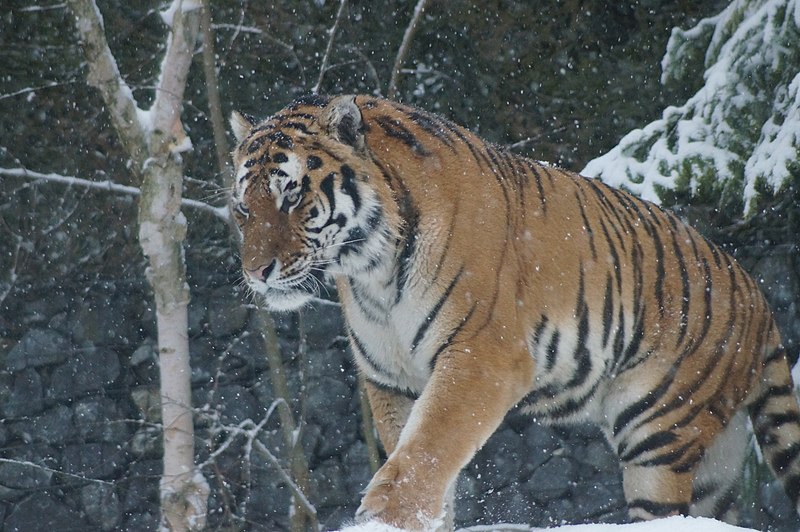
x=79, y=403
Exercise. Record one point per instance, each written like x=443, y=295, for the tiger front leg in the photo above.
x=463, y=403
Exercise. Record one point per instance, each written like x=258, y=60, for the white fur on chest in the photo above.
x=388, y=330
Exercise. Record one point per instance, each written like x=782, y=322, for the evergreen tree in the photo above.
x=736, y=140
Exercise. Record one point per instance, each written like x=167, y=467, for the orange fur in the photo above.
x=473, y=280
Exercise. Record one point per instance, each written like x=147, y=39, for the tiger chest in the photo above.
x=390, y=338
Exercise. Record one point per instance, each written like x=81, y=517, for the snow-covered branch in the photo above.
x=219, y=212
x=183, y=19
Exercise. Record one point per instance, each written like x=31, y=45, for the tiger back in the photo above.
x=474, y=281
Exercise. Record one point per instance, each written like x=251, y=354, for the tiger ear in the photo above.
x=342, y=120
x=241, y=124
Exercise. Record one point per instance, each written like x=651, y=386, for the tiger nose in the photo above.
x=263, y=273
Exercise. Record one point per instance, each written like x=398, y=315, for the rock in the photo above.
x=93, y=460
x=146, y=442
x=148, y=400
x=326, y=399
x=53, y=426
x=322, y=325
x=142, y=521
x=145, y=353
x=327, y=480
x=26, y=397
x=141, y=488
x=552, y=480
x=24, y=475
x=197, y=315
x=99, y=419
x=88, y=370
x=101, y=504
x=503, y=461
x=357, y=469
x=39, y=347
x=43, y=511
x=108, y=316
x=237, y=404
x=226, y=314
x=251, y=349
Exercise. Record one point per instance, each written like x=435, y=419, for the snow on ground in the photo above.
x=669, y=524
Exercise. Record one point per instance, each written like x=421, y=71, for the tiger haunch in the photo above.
x=473, y=280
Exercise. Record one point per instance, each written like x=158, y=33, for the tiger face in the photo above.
x=301, y=219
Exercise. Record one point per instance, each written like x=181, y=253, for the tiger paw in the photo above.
x=395, y=497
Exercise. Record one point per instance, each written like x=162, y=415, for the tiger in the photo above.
x=474, y=281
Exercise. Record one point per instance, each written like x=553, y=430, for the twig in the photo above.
x=332, y=35
x=402, y=52
x=104, y=75
x=238, y=28
x=298, y=493
x=524, y=142
x=12, y=273
x=212, y=90
x=55, y=471
x=250, y=431
x=219, y=212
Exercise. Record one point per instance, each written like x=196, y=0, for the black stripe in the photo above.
x=405, y=392
x=582, y=356
x=366, y=303
x=409, y=241
x=648, y=444
x=358, y=235
x=538, y=330
x=423, y=328
x=586, y=225
x=395, y=129
x=452, y=335
x=361, y=352
x=784, y=458
x=540, y=189
x=349, y=186
x=636, y=409
x=767, y=396
x=608, y=310
x=685, y=290
x=552, y=350
x=326, y=187
x=776, y=420
x=660, y=509
x=431, y=125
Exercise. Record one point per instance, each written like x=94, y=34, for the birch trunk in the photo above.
x=154, y=140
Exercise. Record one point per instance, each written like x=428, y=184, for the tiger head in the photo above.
x=305, y=200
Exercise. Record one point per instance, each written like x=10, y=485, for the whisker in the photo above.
x=344, y=243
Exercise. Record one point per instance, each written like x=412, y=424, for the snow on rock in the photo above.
x=669, y=524
x=739, y=135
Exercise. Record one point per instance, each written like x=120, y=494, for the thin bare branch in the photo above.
x=54, y=471
x=104, y=75
x=219, y=212
x=402, y=52
x=212, y=90
x=331, y=37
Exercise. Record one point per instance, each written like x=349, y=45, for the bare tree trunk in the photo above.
x=154, y=140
